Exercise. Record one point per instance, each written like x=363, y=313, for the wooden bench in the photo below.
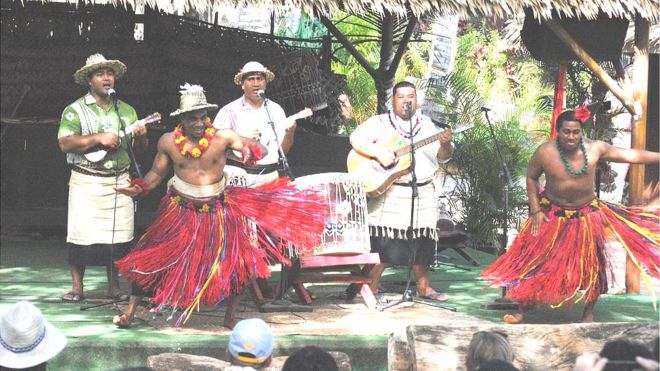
x=313, y=269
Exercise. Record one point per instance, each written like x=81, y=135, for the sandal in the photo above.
x=434, y=295
x=72, y=297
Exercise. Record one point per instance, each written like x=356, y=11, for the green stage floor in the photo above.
x=34, y=268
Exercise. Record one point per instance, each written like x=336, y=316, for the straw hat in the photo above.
x=251, y=341
x=192, y=99
x=93, y=63
x=26, y=338
x=251, y=67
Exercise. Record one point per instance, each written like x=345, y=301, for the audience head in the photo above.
x=251, y=343
x=619, y=351
x=27, y=339
x=310, y=358
x=497, y=365
x=485, y=346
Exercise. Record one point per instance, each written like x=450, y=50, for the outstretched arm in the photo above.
x=250, y=149
x=632, y=156
x=156, y=175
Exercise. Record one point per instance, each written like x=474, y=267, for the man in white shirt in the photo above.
x=251, y=116
x=389, y=213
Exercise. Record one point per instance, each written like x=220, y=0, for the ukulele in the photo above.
x=98, y=154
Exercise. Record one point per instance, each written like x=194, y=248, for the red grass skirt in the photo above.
x=200, y=253
x=569, y=253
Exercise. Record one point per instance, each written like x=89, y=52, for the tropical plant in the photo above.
x=361, y=84
x=485, y=73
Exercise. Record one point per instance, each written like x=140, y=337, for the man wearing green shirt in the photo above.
x=100, y=220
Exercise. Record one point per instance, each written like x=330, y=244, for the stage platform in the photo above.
x=33, y=267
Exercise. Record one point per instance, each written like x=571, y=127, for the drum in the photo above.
x=346, y=229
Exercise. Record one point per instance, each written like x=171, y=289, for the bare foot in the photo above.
x=588, y=318
x=230, y=323
x=122, y=321
x=513, y=319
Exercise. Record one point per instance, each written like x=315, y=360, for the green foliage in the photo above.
x=365, y=33
x=484, y=72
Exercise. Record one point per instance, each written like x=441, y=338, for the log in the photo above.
x=536, y=347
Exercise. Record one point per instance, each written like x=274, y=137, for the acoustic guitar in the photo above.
x=378, y=179
x=99, y=153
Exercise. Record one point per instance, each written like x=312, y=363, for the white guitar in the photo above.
x=98, y=154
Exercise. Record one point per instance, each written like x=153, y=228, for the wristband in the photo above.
x=142, y=184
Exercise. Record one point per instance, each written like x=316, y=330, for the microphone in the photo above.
x=407, y=106
x=112, y=93
x=485, y=109
x=261, y=93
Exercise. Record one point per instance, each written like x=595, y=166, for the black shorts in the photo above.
x=396, y=251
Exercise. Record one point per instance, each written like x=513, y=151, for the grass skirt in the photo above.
x=202, y=252
x=569, y=255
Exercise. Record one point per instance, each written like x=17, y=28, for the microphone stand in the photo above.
x=131, y=154
x=501, y=303
x=407, y=295
x=280, y=304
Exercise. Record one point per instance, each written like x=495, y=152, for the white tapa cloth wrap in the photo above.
x=389, y=214
x=92, y=212
x=236, y=175
x=197, y=192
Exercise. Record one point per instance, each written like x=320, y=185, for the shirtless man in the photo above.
x=202, y=247
x=198, y=156
x=560, y=249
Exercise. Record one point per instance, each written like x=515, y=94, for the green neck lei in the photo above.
x=564, y=159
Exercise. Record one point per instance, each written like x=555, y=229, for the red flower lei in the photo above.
x=186, y=148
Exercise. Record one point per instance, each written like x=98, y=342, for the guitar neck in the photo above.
x=406, y=149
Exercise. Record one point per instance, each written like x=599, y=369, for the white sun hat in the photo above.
x=27, y=339
x=253, y=67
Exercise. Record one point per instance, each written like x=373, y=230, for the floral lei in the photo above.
x=186, y=148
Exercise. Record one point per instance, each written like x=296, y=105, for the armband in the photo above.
x=142, y=184
x=252, y=152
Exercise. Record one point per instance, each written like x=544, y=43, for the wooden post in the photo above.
x=611, y=85
x=640, y=92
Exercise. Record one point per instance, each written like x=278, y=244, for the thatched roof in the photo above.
x=502, y=9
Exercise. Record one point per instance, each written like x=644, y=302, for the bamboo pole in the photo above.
x=611, y=85
x=640, y=93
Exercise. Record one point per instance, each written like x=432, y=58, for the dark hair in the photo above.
x=566, y=116
x=403, y=84
x=623, y=350
x=497, y=365
x=310, y=358
x=485, y=346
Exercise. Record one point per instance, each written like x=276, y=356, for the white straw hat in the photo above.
x=26, y=338
x=192, y=99
x=252, y=67
x=93, y=63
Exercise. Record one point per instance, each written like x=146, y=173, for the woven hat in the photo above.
x=251, y=341
x=93, y=63
x=252, y=67
x=26, y=338
x=192, y=99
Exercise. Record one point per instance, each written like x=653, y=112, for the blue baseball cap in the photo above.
x=251, y=341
